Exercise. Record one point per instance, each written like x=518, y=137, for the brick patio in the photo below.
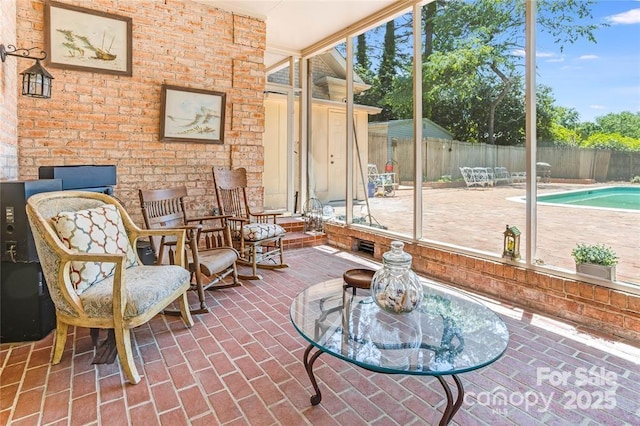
x=476, y=218
x=242, y=365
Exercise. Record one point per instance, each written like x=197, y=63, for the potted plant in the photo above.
x=595, y=259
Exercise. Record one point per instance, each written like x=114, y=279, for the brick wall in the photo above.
x=8, y=94
x=95, y=118
x=589, y=306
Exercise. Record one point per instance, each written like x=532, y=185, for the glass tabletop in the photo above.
x=449, y=333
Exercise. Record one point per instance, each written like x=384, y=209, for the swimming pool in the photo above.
x=612, y=197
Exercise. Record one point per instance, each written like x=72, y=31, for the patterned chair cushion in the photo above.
x=97, y=230
x=260, y=231
x=145, y=286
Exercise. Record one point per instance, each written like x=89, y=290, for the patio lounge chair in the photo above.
x=384, y=183
x=486, y=171
x=501, y=174
x=476, y=177
x=518, y=177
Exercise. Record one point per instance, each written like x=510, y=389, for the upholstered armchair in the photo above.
x=85, y=242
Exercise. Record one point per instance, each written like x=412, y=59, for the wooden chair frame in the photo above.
x=211, y=256
x=55, y=258
x=231, y=195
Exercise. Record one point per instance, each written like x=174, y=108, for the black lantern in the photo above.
x=36, y=80
x=511, y=248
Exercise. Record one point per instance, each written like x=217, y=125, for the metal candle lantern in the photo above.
x=36, y=80
x=511, y=247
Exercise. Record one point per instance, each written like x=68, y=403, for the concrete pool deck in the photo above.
x=476, y=218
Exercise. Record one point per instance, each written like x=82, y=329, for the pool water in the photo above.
x=615, y=197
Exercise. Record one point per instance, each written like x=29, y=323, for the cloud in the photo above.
x=625, y=18
x=549, y=56
x=522, y=53
x=588, y=57
x=570, y=68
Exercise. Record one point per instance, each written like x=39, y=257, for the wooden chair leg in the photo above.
x=61, y=339
x=281, y=252
x=252, y=261
x=236, y=281
x=125, y=354
x=216, y=281
x=198, y=273
x=185, y=313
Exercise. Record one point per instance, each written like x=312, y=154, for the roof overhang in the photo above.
x=302, y=28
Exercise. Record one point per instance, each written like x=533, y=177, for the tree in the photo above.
x=613, y=141
x=473, y=51
x=387, y=71
x=362, y=67
x=381, y=83
x=362, y=57
x=566, y=117
x=625, y=123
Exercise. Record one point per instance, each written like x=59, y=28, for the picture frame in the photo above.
x=78, y=38
x=192, y=115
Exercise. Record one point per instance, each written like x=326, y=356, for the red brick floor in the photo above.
x=242, y=365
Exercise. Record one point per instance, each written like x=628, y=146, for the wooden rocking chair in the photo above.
x=210, y=264
x=256, y=236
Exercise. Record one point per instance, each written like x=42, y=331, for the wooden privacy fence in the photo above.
x=443, y=157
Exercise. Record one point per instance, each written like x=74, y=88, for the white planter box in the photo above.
x=600, y=271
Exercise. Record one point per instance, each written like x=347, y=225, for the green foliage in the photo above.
x=564, y=136
x=362, y=58
x=566, y=117
x=612, y=131
x=473, y=84
x=613, y=141
x=598, y=254
x=624, y=123
x=387, y=71
x=635, y=179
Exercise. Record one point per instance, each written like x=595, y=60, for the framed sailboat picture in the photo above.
x=192, y=115
x=87, y=40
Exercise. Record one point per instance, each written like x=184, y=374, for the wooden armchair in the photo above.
x=85, y=246
x=211, y=256
x=256, y=235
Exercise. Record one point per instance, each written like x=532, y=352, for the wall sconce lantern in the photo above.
x=511, y=243
x=36, y=80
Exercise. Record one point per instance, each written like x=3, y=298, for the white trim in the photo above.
x=390, y=12
x=349, y=193
x=531, y=220
x=417, y=121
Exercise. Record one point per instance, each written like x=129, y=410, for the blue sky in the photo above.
x=601, y=78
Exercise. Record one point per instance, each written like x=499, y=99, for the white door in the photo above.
x=336, y=155
x=275, y=152
x=281, y=177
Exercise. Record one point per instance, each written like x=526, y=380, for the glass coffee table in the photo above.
x=448, y=334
